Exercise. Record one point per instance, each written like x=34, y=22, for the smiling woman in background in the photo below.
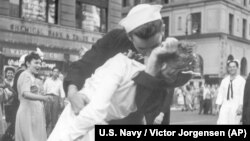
x=30, y=119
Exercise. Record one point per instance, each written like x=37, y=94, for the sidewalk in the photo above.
x=176, y=108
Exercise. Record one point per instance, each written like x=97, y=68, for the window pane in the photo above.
x=103, y=20
x=14, y=8
x=78, y=15
x=166, y=22
x=231, y=20
x=179, y=23
x=34, y=10
x=52, y=11
x=91, y=18
x=244, y=27
x=196, y=23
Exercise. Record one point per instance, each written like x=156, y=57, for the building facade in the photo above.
x=221, y=29
x=62, y=29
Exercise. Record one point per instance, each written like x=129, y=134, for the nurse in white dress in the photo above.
x=230, y=96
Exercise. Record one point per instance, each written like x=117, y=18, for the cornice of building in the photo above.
x=213, y=35
x=201, y=3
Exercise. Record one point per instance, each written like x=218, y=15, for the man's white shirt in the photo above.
x=55, y=87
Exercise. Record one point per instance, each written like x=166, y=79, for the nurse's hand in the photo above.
x=239, y=110
x=159, y=118
x=78, y=101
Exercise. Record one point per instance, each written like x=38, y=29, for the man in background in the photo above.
x=53, y=86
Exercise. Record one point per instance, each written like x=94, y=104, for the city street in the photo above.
x=191, y=118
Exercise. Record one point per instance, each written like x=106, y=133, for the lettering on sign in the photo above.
x=19, y=53
x=59, y=33
x=15, y=62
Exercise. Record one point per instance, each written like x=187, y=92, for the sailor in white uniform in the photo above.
x=230, y=96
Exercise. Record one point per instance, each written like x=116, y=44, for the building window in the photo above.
x=244, y=27
x=91, y=17
x=243, y=67
x=231, y=23
x=249, y=29
x=179, y=23
x=137, y=2
x=14, y=8
x=166, y=22
x=125, y=3
x=165, y=1
x=245, y=2
x=39, y=10
x=150, y=1
x=52, y=11
x=196, y=23
x=230, y=57
x=238, y=25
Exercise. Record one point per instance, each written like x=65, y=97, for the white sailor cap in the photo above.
x=139, y=15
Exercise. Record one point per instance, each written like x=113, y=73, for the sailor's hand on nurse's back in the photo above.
x=78, y=101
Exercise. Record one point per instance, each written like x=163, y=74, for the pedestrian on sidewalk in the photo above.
x=53, y=86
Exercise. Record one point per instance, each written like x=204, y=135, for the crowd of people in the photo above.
x=128, y=77
x=196, y=98
x=30, y=101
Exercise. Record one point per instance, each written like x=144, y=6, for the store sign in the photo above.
x=20, y=52
x=48, y=30
x=15, y=62
x=54, y=33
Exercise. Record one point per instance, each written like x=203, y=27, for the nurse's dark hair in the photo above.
x=147, y=30
x=30, y=57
